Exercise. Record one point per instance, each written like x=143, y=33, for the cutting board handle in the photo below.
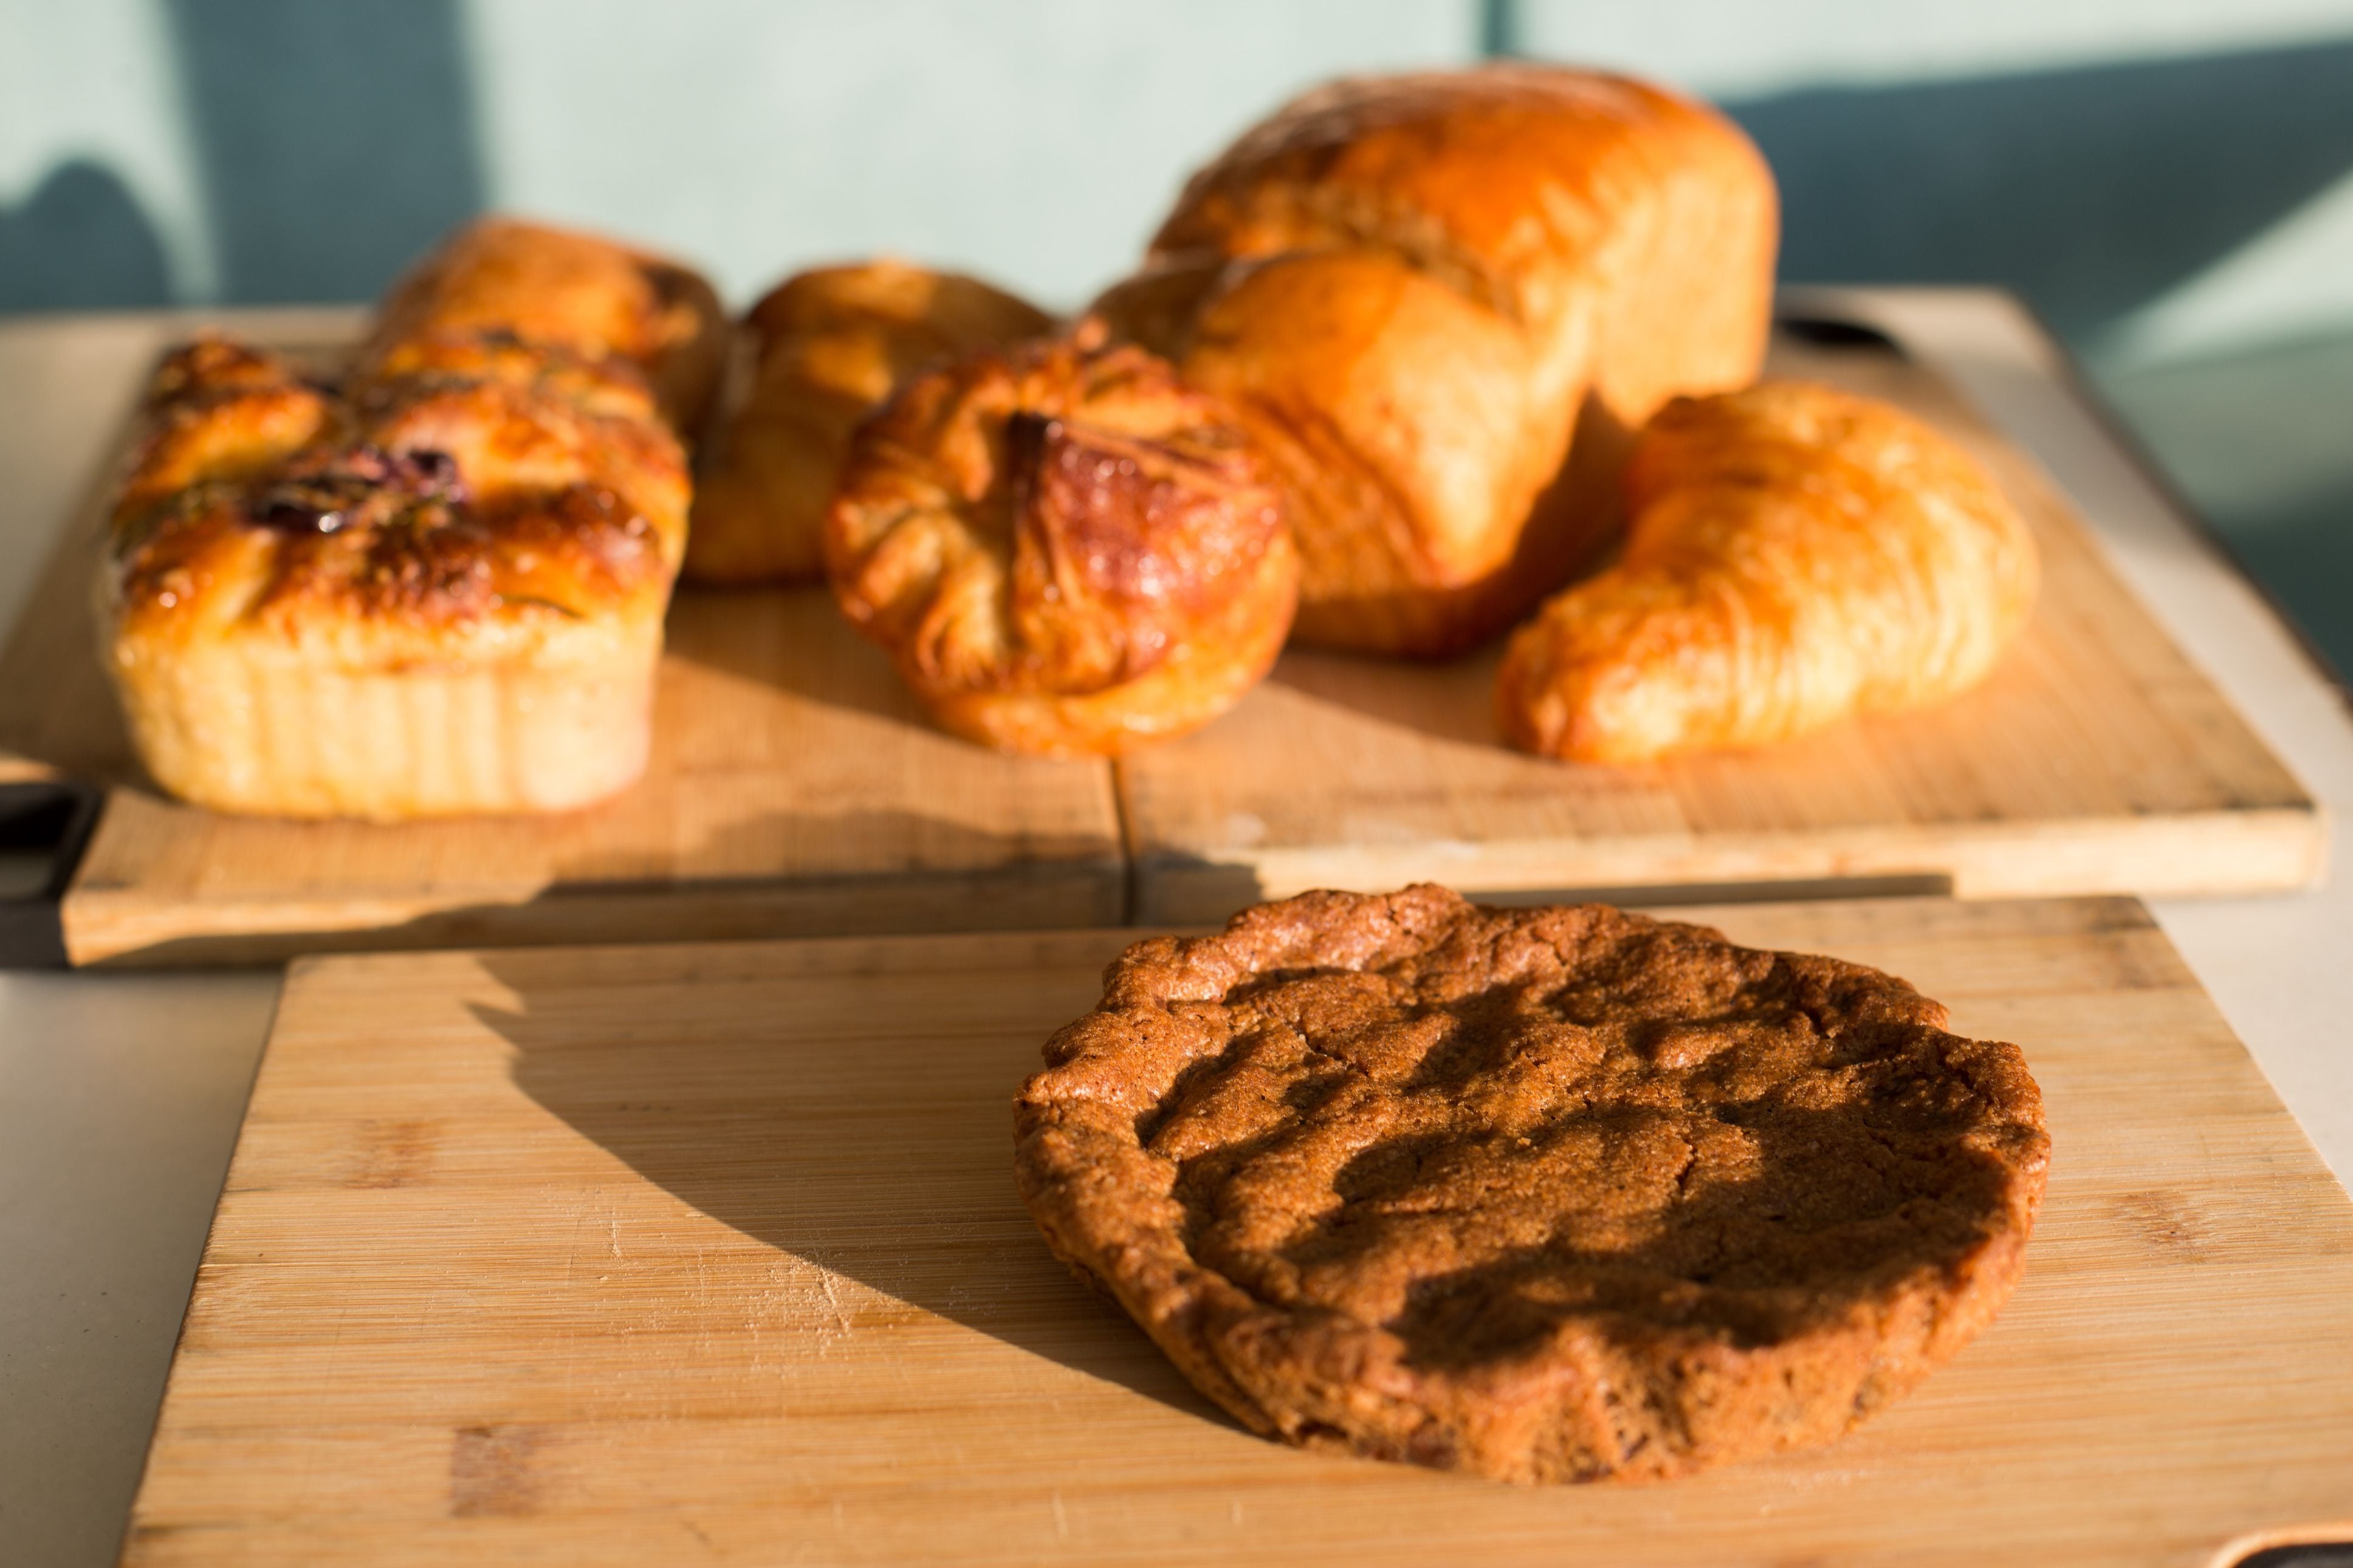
x=44, y=827
x=1827, y=331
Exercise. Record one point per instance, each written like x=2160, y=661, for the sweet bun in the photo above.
x=1064, y=548
x=830, y=347
x=435, y=587
x=1442, y=302
x=501, y=280
x=1797, y=555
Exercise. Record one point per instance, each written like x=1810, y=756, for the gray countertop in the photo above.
x=120, y=1094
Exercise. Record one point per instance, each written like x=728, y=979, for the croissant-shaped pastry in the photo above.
x=831, y=347
x=1442, y=302
x=433, y=586
x=1065, y=549
x=1796, y=555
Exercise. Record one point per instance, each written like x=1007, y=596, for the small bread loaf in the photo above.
x=830, y=347
x=1797, y=555
x=500, y=281
x=435, y=587
x=1065, y=549
x=1441, y=303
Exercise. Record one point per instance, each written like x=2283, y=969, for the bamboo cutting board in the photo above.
x=711, y=1254
x=2096, y=759
x=794, y=788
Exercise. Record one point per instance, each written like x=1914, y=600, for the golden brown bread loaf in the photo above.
x=434, y=587
x=1441, y=303
x=830, y=347
x=1065, y=550
x=1796, y=554
x=501, y=280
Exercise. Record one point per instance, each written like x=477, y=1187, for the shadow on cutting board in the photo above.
x=910, y=1195
x=1428, y=699
x=793, y=639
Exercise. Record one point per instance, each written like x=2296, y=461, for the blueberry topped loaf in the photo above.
x=434, y=585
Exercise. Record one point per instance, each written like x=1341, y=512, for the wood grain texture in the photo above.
x=711, y=1254
x=794, y=789
x=2096, y=759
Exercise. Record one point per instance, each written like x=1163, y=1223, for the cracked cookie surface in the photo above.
x=1542, y=1194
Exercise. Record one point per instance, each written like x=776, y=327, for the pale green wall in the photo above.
x=283, y=149
x=1037, y=142
x=2161, y=176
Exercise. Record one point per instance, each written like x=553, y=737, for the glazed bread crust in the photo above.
x=503, y=280
x=1797, y=556
x=1458, y=294
x=829, y=346
x=1543, y=1194
x=433, y=586
x=1065, y=550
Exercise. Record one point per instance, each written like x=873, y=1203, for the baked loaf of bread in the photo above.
x=1442, y=302
x=436, y=585
x=829, y=346
x=1797, y=555
x=1544, y=1195
x=503, y=281
x=1064, y=548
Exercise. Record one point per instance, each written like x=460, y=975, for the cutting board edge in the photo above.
x=638, y=963
x=123, y=928
x=2232, y=850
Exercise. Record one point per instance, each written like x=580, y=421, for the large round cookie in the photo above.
x=1547, y=1194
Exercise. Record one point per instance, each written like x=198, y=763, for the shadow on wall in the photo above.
x=2090, y=190
x=80, y=242
x=336, y=142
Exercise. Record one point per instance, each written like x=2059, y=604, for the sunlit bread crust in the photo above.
x=1796, y=555
x=549, y=288
x=1065, y=550
x=436, y=588
x=1460, y=292
x=829, y=346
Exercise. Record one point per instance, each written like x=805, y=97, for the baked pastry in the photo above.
x=830, y=347
x=1544, y=1195
x=433, y=587
x=1797, y=555
x=1442, y=302
x=499, y=280
x=1065, y=549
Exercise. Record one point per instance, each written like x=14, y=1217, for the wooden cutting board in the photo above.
x=794, y=788
x=711, y=1254
x=2096, y=758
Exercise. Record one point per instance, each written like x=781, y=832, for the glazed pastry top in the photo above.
x=831, y=345
x=548, y=288
x=1056, y=518
x=1507, y=184
x=483, y=493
